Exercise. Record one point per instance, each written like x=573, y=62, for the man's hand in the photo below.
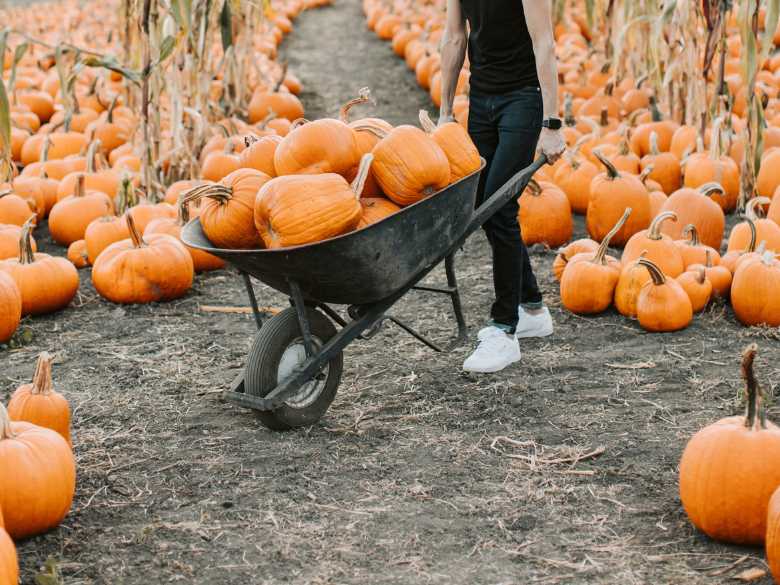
x=551, y=144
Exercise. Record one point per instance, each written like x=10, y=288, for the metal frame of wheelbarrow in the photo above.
x=365, y=318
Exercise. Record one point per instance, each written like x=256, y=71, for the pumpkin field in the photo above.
x=635, y=445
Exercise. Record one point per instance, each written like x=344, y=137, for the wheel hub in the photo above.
x=293, y=356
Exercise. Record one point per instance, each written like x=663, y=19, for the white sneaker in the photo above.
x=496, y=350
x=540, y=325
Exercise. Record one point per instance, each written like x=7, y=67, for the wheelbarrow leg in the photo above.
x=457, y=307
x=250, y=291
x=303, y=320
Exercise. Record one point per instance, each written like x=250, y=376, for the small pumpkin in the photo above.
x=219, y=164
x=227, y=209
x=39, y=403
x=46, y=283
x=657, y=247
x=544, y=215
x=574, y=177
x=70, y=217
x=143, y=270
x=766, y=230
x=456, y=144
x=772, y=535
x=77, y=254
x=703, y=168
x=662, y=304
x=755, y=291
x=729, y=469
x=697, y=286
x=666, y=167
x=14, y=210
x=10, y=307
x=719, y=276
x=38, y=477
x=568, y=252
x=633, y=277
x=731, y=259
x=692, y=250
x=297, y=210
x=9, y=240
x=375, y=209
x=611, y=193
x=589, y=279
x=259, y=154
x=409, y=165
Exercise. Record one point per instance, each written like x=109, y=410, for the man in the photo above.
x=512, y=106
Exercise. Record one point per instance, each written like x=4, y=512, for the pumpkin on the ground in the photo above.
x=718, y=275
x=773, y=535
x=633, y=276
x=10, y=307
x=39, y=403
x=37, y=477
x=662, y=304
x=143, y=270
x=766, y=229
x=9, y=240
x=70, y=216
x=697, y=286
x=696, y=206
x=301, y=209
x=574, y=177
x=656, y=246
x=568, y=252
x=14, y=210
x=77, y=254
x=692, y=250
x=46, y=283
x=9, y=564
x=666, y=169
x=755, y=290
x=730, y=469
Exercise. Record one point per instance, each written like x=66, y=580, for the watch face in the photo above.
x=553, y=124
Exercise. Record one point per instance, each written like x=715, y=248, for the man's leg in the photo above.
x=519, y=117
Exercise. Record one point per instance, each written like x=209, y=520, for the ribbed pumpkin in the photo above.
x=633, y=277
x=298, y=210
x=662, y=305
x=37, y=477
x=766, y=230
x=14, y=210
x=9, y=240
x=755, y=291
x=703, y=168
x=227, y=209
x=46, y=283
x=666, y=169
x=39, y=403
x=544, y=215
x=143, y=270
x=322, y=146
x=697, y=286
x=70, y=216
x=731, y=259
x=719, y=276
x=611, y=193
x=658, y=247
x=730, y=469
x=568, y=252
x=692, y=250
x=456, y=144
x=664, y=130
x=589, y=279
x=696, y=206
x=175, y=189
x=202, y=261
x=375, y=209
x=280, y=103
x=10, y=307
x=574, y=176
x=409, y=165
x=219, y=164
x=259, y=154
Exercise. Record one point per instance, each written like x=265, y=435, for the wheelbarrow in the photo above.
x=295, y=364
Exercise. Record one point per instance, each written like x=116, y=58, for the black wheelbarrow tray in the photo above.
x=294, y=367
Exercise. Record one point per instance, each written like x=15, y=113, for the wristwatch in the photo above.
x=552, y=124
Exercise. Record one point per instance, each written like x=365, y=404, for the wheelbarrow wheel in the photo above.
x=277, y=348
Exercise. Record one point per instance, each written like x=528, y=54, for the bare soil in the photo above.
x=562, y=469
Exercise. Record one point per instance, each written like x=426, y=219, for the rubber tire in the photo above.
x=260, y=374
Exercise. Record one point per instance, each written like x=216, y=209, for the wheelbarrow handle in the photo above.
x=512, y=188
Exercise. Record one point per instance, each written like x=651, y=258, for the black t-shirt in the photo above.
x=500, y=49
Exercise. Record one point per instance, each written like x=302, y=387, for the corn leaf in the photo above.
x=5, y=123
x=772, y=14
x=109, y=62
x=226, y=26
x=3, y=43
x=18, y=55
x=166, y=48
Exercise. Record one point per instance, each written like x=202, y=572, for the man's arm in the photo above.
x=453, y=54
x=538, y=16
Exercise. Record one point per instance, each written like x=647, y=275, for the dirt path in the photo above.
x=406, y=479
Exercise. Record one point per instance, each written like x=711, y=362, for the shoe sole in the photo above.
x=491, y=371
x=532, y=335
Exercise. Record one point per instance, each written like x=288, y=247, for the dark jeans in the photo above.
x=505, y=128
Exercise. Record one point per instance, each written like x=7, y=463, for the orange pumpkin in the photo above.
x=666, y=167
x=10, y=307
x=696, y=206
x=9, y=564
x=456, y=144
x=755, y=290
x=697, y=286
x=14, y=210
x=39, y=477
x=375, y=209
x=566, y=253
x=409, y=165
x=39, y=403
x=692, y=250
x=730, y=469
x=766, y=230
x=143, y=270
x=703, y=168
x=77, y=254
x=298, y=210
x=9, y=240
x=46, y=283
x=611, y=193
x=574, y=177
x=282, y=104
x=70, y=217
x=322, y=146
x=259, y=154
x=772, y=535
x=544, y=215
x=633, y=277
x=719, y=276
x=662, y=304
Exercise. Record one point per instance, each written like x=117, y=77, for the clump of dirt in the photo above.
x=563, y=469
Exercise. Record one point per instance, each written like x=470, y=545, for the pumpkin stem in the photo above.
x=362, y=174
x=426, y=122
x=182, y=209
x=297, y=123
x=111, y=107
x=708, y=189
x=604, y=120
x=654, y=233
x=707, y=258
x=282, y=75
x=601, y=253
x=45, y=150
x=264, y=122
x=751, y=247
x=534, y=188
x=138, y=241
x=753, y=389
x=371, y=129
x=92, y=155
x=5, y=424
x=692, y=233
x=26, y=254
x=751, y=209
x=612, y=172
x=702, y=274
x=214, y=190
x=656, y=113
x=364, y=97
x=41, y=383
x=79, y=192
x=654, y=143
x=645, y=174
x=655, y=273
